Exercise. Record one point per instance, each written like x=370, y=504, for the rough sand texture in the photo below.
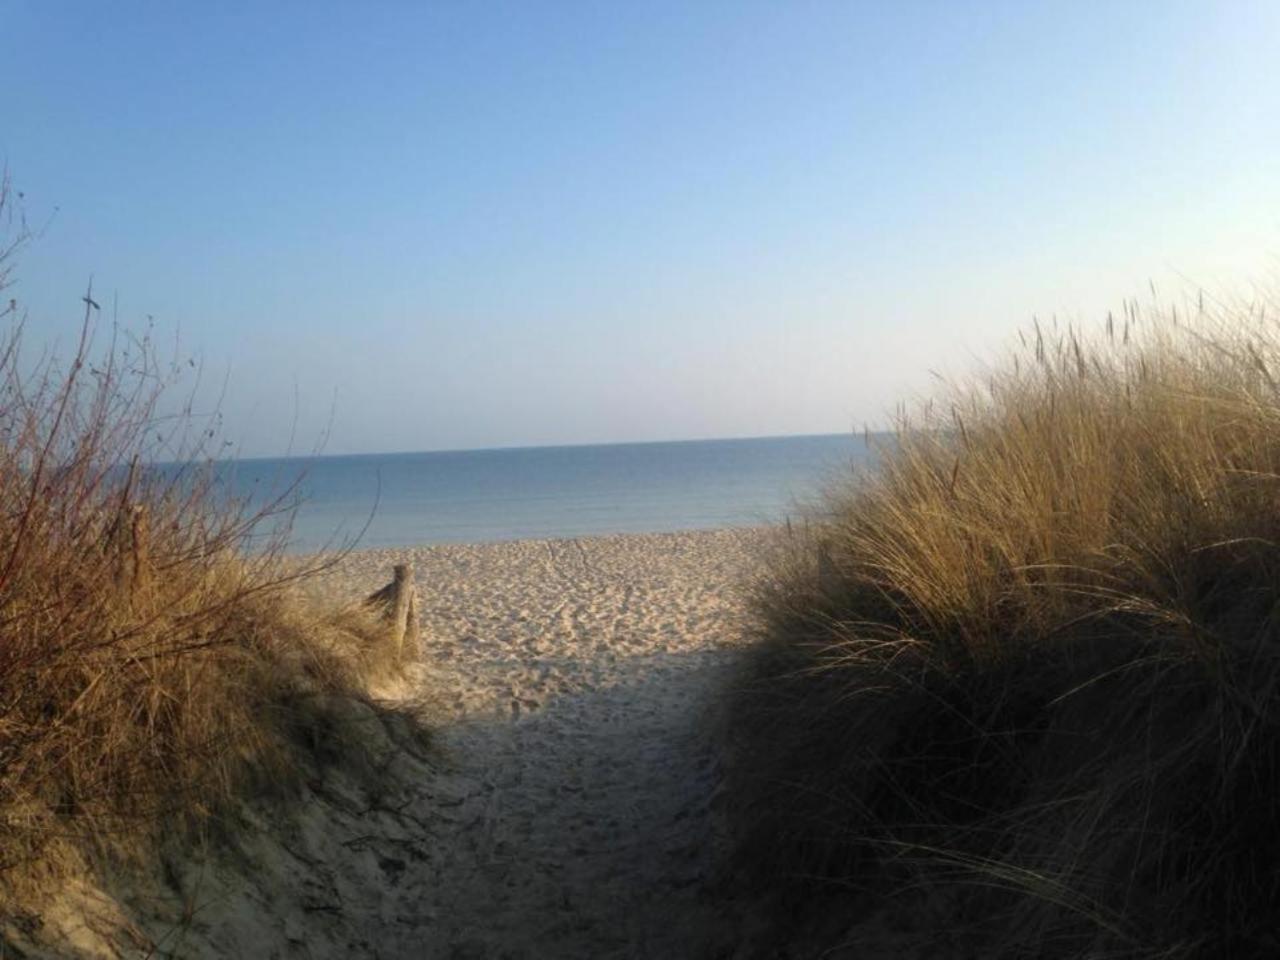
x=579, y=677
x=566, y=815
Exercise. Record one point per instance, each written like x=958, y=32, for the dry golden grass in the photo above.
x=1022, y=680
x=151, y=669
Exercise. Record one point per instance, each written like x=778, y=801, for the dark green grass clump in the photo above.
x=1021, y=687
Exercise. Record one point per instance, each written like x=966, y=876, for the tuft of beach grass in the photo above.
x=153, y=671
x=1018, y=689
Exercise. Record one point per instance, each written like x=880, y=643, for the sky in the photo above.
x=415, y=226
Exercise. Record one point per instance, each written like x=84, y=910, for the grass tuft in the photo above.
x=152, y=669
x=1022, y=681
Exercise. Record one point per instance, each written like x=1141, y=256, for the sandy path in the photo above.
x=578, y=677
x=566, y=817
x=573, y=685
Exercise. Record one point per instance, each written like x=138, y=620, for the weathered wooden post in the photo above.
x=399, y=602
x=411, y=628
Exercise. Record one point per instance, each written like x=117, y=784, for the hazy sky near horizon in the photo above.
x=477, y=224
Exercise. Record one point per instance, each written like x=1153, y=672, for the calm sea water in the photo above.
x=476, y=496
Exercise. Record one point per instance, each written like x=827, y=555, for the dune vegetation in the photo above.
x=153, y=671
x=1017, y=691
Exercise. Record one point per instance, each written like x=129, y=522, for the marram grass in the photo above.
x=1023, y=681
x=153, y=673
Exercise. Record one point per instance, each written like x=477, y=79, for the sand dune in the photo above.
x=565, y=814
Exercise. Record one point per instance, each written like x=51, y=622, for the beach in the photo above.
x=578, y=680
x=565, y=809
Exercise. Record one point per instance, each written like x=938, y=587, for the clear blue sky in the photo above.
x=468, y=224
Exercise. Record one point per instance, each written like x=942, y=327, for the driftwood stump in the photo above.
x=398, y=601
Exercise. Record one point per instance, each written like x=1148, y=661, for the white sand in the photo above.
x=569, y=813
x=579, y=674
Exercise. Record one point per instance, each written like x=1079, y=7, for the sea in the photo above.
x=479, y=496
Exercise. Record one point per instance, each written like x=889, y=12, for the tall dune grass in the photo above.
x=151, y=671
x=1022, y=685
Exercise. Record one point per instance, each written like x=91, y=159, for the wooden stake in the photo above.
x=402, y=603
x=398, y=600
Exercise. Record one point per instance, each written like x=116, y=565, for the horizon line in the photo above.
x=552, y=446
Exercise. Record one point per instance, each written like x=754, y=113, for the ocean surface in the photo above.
x=475, y=496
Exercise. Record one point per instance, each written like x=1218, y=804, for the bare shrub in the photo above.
x=152, y=668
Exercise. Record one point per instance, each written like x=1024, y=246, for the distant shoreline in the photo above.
x=501, y=496
x=856, y=435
